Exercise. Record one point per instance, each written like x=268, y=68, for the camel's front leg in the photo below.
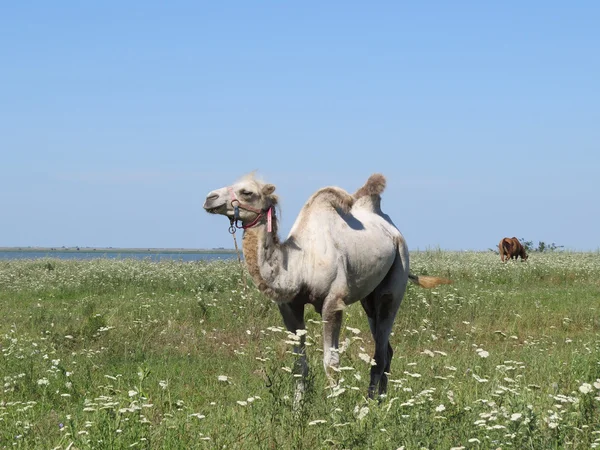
x=293, y=318
x=332, y=324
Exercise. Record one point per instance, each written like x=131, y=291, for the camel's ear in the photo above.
x=268, y=189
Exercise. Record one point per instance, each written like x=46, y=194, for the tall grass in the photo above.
x=128, y=353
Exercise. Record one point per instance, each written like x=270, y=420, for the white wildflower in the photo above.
x=316, y=422
x=440, y=408
x=585, y=388
x=479, y=379
x=361, y=413
x=413, y=375
x=366, y=358
x=482, y=353
x=336, y=392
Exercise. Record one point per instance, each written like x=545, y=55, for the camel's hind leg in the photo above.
x=381, y=307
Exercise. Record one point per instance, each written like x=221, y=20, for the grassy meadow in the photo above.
x=139, y=354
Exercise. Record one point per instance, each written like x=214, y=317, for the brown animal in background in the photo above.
x=511, y=248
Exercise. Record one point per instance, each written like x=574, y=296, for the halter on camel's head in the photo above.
x=234, y=221
x=245, y=203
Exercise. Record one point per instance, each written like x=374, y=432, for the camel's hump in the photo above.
x=375, y=185
x=332, y=196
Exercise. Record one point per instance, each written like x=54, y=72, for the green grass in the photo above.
x=128, y=353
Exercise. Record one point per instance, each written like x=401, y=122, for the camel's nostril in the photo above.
x=212, y=197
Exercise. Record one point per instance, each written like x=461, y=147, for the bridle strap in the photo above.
x=235, y=202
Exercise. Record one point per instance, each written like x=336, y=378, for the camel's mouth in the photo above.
x=216, y=210
x=211, y=208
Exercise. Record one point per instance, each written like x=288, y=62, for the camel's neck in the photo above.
x=264, y=255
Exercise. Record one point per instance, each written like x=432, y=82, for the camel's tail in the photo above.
x=428, y=282
x=375, y=185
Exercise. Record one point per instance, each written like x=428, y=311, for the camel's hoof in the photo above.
x=371, y=393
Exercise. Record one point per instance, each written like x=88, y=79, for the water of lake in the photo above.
x=153, y=256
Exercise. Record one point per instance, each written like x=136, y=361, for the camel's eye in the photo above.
x=246, y=193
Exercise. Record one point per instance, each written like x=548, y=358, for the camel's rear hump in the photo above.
x=375, y=185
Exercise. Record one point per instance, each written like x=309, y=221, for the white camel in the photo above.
x=341, y=249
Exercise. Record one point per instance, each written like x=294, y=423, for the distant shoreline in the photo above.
x=115, y=250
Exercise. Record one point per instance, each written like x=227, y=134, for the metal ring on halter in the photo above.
x=232, y=228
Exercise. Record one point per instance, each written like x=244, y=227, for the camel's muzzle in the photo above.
x=212, y=205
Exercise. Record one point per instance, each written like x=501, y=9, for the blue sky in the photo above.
x=117, y=118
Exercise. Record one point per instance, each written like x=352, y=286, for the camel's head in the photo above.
x=249, y=196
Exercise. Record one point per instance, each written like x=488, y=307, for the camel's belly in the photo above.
x=367, y=271
x=352, y=255
x=371, y=252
